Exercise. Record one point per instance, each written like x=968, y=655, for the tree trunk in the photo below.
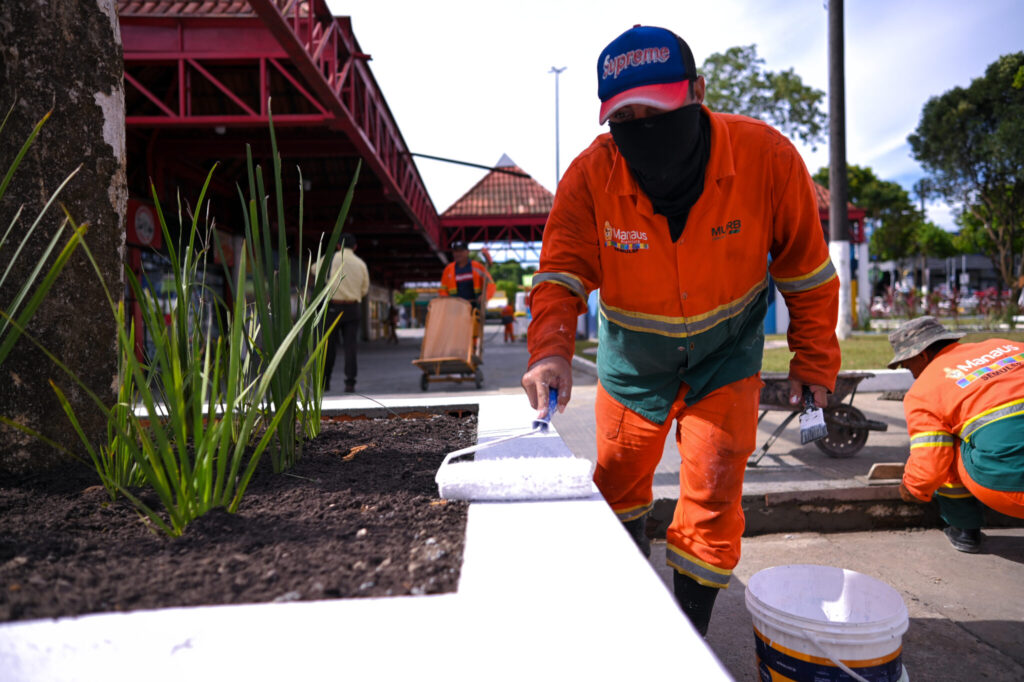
x=63, y=55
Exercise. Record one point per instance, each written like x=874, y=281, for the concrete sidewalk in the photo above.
x=967, y=611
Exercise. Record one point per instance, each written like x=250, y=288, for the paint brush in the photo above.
x=812, y=420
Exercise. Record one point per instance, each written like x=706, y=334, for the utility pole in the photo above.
x=838, y=220
x=558, y=170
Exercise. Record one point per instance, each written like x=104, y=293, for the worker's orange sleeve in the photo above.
x=804, y=274
x=570, y=257
x=932, y=459
x=447, y=281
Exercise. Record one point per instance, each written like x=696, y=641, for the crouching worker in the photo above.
x=965, y=415
x=673, y=216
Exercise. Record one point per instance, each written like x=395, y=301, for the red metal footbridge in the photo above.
x=201, y=81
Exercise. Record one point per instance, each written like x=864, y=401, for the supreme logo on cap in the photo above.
x=645, y=65
x=614, y=65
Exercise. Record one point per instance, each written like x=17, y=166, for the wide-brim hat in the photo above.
x=913, y=337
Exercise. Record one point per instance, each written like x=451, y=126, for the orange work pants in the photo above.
x=715, y=436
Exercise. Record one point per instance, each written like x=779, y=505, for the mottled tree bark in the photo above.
x=63, y=55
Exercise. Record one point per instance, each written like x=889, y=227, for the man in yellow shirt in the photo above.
x=347, y=301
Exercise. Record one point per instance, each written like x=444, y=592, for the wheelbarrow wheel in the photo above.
x=845, y=438
x=424, y=382
x=478, y=378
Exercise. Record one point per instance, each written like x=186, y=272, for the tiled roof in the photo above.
x=501, y=193
x=824, y=198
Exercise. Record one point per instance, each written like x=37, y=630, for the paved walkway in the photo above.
x=386, y=370
x=966, y=611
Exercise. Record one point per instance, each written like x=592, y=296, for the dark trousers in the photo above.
x=348, y=331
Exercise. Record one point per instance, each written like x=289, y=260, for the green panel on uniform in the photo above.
x=994, y=455
x=643, y=371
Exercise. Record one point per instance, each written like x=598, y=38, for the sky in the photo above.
x=472, y=80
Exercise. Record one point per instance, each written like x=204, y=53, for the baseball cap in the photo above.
x=913, y=337
x=645, y=65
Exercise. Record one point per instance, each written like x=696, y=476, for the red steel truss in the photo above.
x=212, y=66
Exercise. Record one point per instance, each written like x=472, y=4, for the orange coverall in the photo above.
x=481, y=279
x=449, y=287
x=682, y=330
x=965, y=415
x=508, y=318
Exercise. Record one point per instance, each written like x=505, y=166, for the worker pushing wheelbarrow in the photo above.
x=453, y=340
x=847, y=426
x=449, y=351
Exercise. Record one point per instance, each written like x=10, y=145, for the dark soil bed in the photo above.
x=347, y=521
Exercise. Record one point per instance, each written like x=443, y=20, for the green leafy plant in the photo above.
x=194, y=417
x=272, y=287
x=17, y=313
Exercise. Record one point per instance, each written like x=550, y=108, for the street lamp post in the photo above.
x=556, y=71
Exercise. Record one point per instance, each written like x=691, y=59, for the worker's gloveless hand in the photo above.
x=549, y=372
x=796, y=393
x=906, y=496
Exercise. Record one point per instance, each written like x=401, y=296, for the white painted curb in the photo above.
x=545, y=587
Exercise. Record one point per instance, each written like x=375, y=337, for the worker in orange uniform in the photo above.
x=470, y=280
x=680, y=216
x=508, y=318
x=965, y=415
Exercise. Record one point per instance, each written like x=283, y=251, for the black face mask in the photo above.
x=667, y=155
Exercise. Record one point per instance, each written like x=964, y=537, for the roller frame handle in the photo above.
x=541, y=424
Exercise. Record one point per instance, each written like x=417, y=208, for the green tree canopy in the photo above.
x=886, y=203
x=509, y=270
x=407, y=297
x=931, y=241
x=737, y=83
x=971, y=142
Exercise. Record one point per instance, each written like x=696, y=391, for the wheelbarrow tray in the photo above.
x=847, y=426
x=775, y=393
x=447, y=353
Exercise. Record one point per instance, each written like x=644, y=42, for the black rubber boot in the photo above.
x=635, y=528
x=964, y=539
x=695, y=600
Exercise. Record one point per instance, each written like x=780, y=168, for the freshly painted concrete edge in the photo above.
x=886, y=380
x=541, y=583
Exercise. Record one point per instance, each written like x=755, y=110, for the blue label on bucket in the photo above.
x=775, y=665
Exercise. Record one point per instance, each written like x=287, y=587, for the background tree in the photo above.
x=509, y=270
x=737, y=83
x=63, y=55
x=887, y=204
x=971, y=142
x=508, y=277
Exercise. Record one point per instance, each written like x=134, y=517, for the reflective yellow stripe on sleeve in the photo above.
x=570, y=282
x=930, y=439
x=815, y=278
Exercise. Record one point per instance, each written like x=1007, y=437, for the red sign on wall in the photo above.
x=142, y=228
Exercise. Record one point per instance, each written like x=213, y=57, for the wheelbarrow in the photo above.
x=452, y=347
x=847, y=426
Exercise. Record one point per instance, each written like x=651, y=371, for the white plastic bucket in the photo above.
x=825, y=624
